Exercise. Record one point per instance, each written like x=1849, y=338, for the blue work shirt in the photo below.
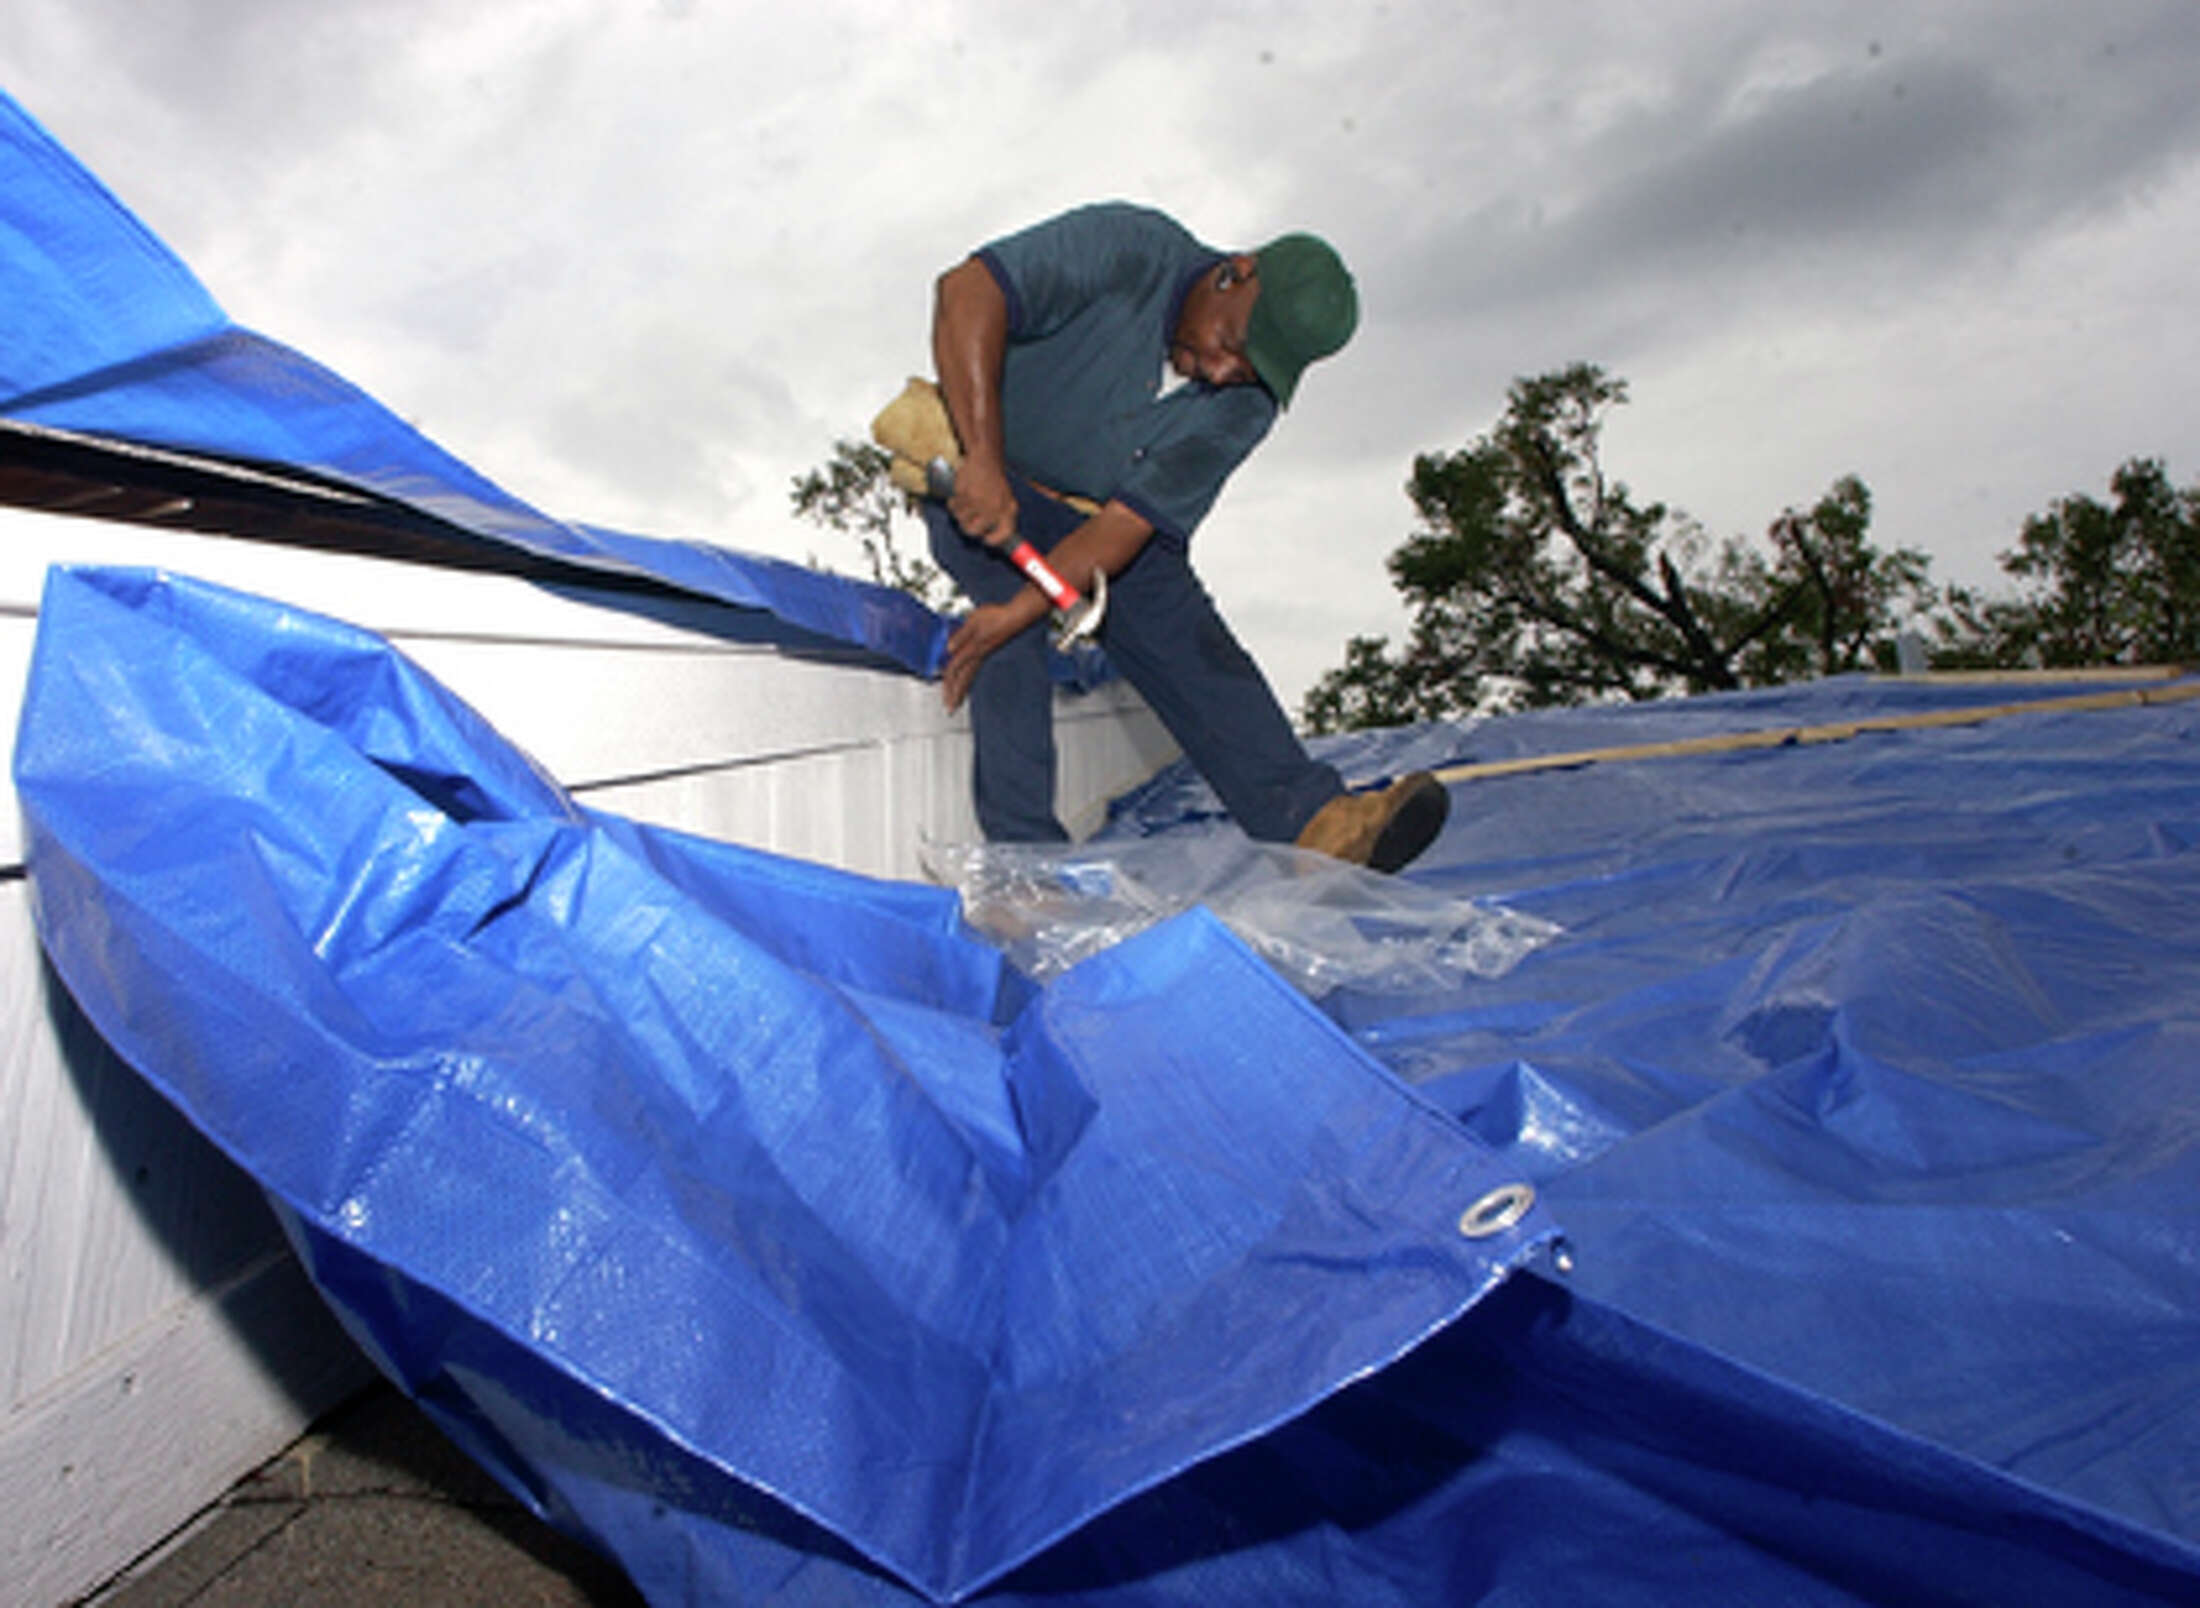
x=1093, y=300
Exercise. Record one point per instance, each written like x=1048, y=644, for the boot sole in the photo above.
x=1412, y=826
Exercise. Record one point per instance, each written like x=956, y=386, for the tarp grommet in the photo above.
x=1497, y=1211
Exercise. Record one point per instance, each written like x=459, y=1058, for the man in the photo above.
x=1050, y=347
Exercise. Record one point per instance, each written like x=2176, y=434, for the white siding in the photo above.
x=156, y=1339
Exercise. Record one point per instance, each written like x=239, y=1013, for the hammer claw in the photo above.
x=1074, y=624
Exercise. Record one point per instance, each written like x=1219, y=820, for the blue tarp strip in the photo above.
x=104, y=332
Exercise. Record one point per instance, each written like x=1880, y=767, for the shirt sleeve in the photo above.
x=1052, y=271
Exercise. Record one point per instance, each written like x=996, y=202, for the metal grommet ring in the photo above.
x=1497, y=1211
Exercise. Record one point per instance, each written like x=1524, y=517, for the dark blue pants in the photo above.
x=1163, y=634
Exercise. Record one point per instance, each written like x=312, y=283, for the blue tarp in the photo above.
x=1872, y=1064
x=756, y=1223
x=753, y=1221
x=105, y=333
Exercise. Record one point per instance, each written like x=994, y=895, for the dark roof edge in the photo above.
x=66, y=472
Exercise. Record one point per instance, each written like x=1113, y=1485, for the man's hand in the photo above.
x=983, y=504
x=1108, y=541
x=984, y=629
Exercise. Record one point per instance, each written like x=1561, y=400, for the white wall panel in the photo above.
x=156, y=1337
x=620, y=706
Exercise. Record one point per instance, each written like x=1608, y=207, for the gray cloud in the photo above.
x=644, y=263
x=1905, y=163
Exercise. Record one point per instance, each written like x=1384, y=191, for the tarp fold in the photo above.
x=780, y=1161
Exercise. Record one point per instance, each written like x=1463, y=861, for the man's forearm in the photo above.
x=1107, y=541
x=969, y=340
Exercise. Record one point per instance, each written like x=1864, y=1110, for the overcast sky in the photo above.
x=642, y=262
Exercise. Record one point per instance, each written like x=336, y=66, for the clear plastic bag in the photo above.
x=1320, y=922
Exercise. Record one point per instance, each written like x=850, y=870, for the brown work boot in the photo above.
x=1383, y=831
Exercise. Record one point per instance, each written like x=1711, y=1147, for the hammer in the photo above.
x=1075, y=615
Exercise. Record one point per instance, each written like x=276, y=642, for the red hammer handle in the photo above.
x=1059, y=592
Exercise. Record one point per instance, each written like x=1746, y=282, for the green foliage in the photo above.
x=1370, y=690
x=2097, y=583
x=1841, y=598
x=851, y=493
x=1537, y=579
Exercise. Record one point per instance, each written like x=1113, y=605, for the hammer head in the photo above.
x=939, y=479
x=1073, y=625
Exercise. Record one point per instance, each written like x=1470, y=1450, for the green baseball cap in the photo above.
x=1307, y=309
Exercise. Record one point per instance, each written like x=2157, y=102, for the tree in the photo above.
x=1536, y=579
x=1370, y=689
x=2097, y=583
x=850, y=492
x=1841, y=597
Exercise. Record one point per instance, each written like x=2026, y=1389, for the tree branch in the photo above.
x=1546, y=473
x=1717, y=667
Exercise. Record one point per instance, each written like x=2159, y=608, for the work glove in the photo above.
x=915, y=428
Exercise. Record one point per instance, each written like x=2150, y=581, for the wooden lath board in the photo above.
x=1828, y=732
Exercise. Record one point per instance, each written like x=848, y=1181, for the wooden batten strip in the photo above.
x=1830, y=732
